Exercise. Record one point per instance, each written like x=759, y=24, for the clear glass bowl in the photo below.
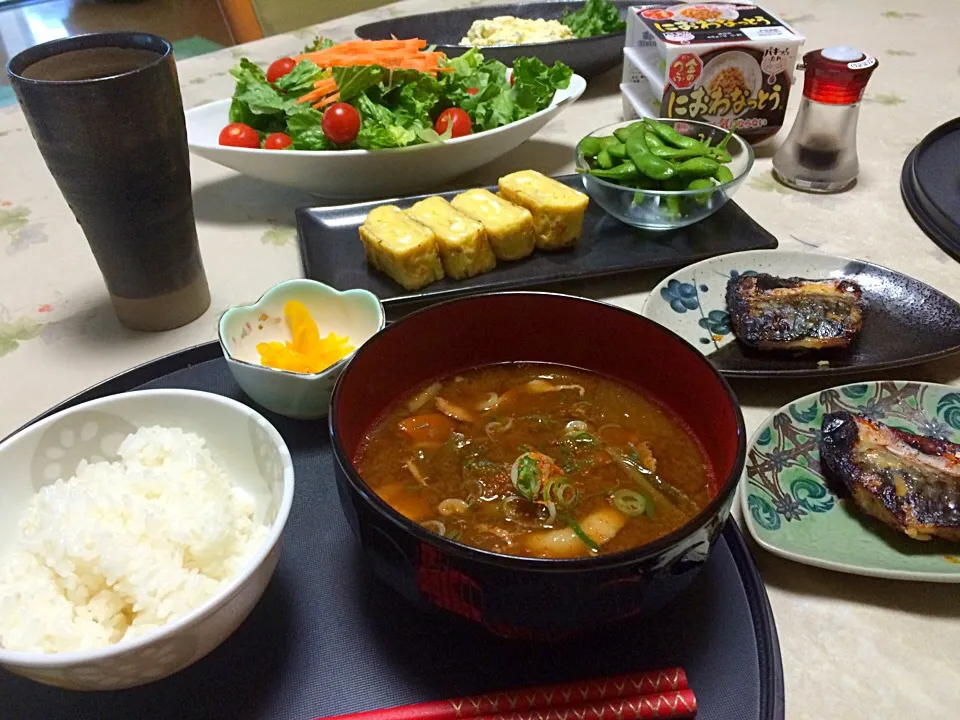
x=650, y=209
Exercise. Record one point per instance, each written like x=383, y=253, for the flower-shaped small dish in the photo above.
x=357, y=314
x=668, y=209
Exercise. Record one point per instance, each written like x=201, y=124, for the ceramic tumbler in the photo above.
x=106, y=113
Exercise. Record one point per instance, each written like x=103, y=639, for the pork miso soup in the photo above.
x=537, y=460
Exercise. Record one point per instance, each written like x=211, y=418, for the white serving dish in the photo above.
x=358, y=314
x=368, y=174
x=241, y=441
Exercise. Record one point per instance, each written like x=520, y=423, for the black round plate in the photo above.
x=930, y=186
x=587, y=56
x=328, y=639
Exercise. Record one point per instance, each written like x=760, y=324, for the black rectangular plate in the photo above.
x=332, y=253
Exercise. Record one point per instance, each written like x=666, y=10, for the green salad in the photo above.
x=299, y=104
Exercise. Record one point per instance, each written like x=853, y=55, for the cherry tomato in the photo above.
x=239, y=135
x=472, y=91
x=341, y=123
x=456, y=117
x=511, y=78
x=277, y=141
x=279, y=68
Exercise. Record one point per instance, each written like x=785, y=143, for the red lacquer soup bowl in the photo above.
x=531, y=597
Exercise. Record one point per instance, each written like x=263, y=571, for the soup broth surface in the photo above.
x=538, y=461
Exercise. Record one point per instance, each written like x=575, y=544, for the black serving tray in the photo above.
x=930, y=186
x=327, y=638
x=332, y=253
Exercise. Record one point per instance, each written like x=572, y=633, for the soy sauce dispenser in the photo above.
x=820, y=153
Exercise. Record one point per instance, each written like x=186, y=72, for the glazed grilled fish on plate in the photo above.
x=910, y=482
x=771, y=313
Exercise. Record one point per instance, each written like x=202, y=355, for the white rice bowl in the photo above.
x=153, y=553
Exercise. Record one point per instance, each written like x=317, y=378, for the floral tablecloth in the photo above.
x=852, y=647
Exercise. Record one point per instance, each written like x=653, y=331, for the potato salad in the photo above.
x=509, y=30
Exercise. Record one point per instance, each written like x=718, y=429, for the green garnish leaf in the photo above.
x=534, y=84
x=596, y=17
x=319, y=43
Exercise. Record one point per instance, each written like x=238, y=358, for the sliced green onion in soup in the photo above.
x=453, y=506
x=629, y=502
x=526, y=476
x=434, y=526
x=578, y=531
x=565, y=494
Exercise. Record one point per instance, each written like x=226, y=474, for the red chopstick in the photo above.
x=642, y=694
x=676, y=704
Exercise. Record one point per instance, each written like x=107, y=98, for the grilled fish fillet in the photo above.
x=771, y=313
x=910, y=482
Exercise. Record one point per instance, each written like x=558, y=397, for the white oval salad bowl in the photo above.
x=368, y=174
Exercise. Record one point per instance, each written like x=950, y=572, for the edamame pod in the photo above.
x=590, y=146
x=705, y=184
x=723, y=174
x=698, y=167
x=617, y=150
x=670, y=136
x=624, y=171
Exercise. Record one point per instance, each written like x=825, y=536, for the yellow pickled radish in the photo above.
x=307, y=352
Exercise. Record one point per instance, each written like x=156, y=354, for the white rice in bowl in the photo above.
x=125, y=547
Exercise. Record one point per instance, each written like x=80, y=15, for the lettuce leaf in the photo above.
x=319, y=43
x=300, y=80
x=256, y=102
x=305, y=129
x=596, y=17
x=535, y=84
x=412, y=93
x=352, y=81
x=381, y=128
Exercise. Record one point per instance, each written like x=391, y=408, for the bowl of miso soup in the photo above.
x=538, y=463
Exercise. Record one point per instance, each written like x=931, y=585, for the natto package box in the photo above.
x=714, y=62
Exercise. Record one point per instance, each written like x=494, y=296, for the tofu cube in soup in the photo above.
x=462, y=241
x=401, y=248
x=509, y=227
x=557, y=209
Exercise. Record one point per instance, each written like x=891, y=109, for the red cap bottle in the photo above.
x=820, y=153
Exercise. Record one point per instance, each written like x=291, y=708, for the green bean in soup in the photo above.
x=538, y=461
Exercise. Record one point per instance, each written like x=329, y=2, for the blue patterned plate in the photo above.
x=905, y=321
x=790, y=509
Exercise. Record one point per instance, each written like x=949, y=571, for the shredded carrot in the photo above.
x=392, y=54
x=329, y=100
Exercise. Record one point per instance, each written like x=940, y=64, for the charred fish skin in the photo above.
x=771, y=313
x=909, y=482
